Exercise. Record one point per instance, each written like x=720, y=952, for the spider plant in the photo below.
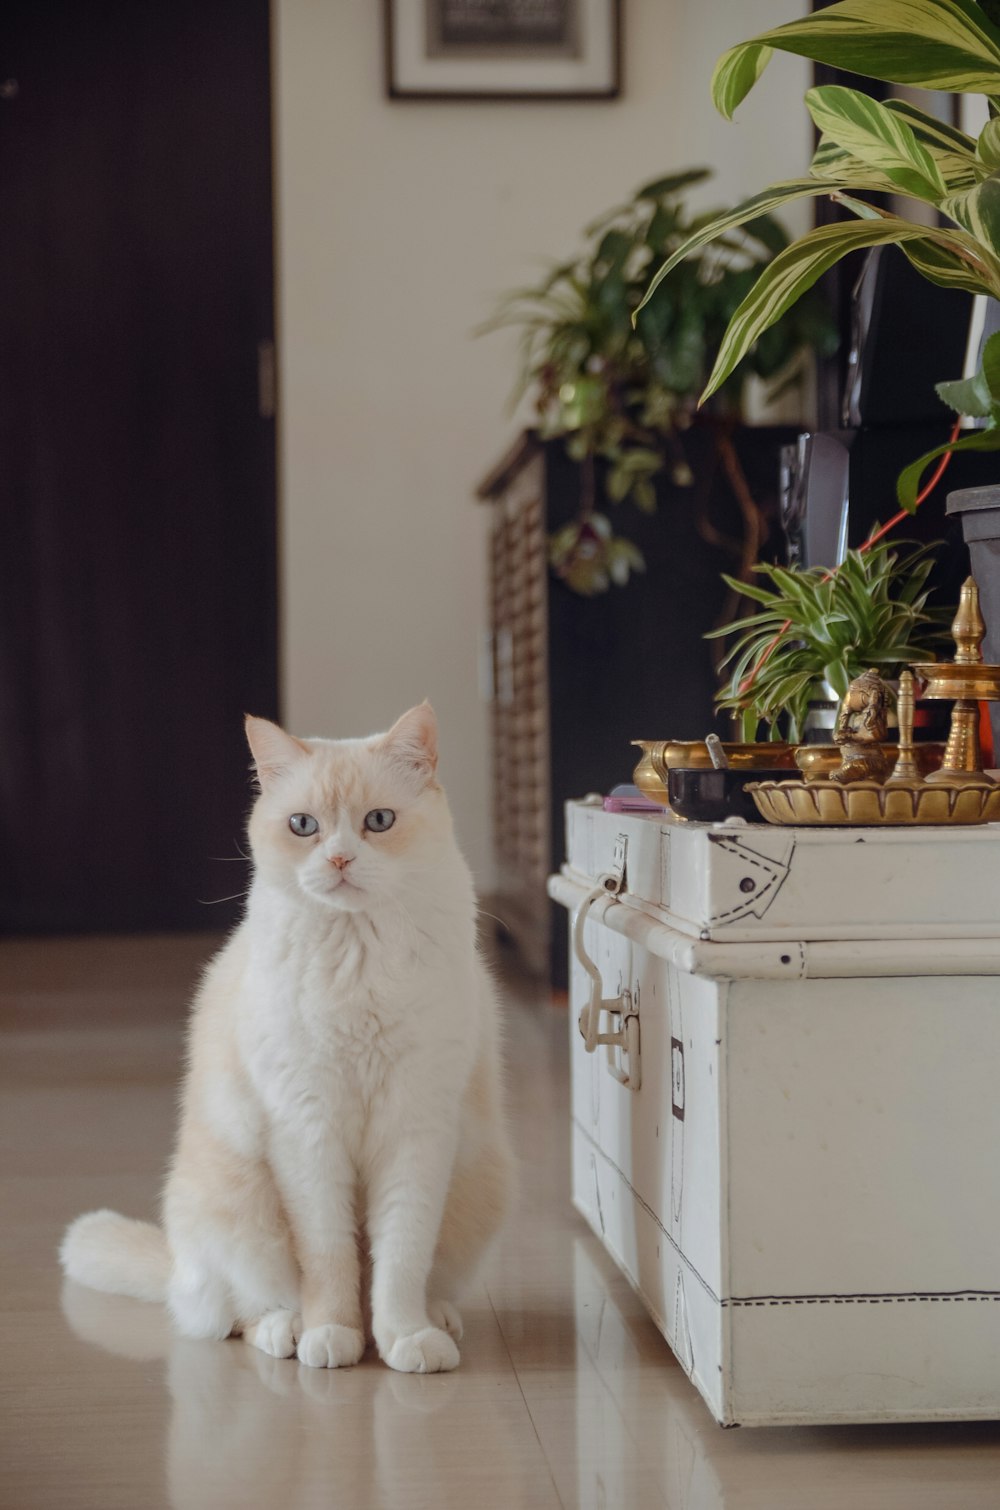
x=894, y=149
x=816, y=628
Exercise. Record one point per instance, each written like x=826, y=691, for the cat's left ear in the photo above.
x=274, y=752
x=413, y=740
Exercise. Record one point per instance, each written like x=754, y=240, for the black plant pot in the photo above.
x=979, y=511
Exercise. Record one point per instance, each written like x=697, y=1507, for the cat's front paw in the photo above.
x=446, y=1316
x=430, y=1351
x=275, y=1333
x=331, y=1346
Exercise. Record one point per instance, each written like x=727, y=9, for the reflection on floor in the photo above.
x=567, y=1395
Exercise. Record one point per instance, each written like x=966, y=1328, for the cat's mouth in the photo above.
x=341, y=892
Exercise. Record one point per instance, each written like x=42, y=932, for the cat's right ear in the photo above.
x=274, y=752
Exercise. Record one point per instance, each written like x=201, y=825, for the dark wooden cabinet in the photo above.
x=576, y=679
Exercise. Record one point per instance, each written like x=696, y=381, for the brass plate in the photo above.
x=952, y=680
x=866, y=804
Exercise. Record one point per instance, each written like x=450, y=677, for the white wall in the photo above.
x=398, y=224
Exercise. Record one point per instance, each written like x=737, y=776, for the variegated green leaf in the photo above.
x=940, y=136
x=941, y=266
x=953, y=150
x=936, y=263
x=933, y=44
x=960, y=172
x=988, y=146
x=833, y=162
x=786, y=278
x=737, y=72
x=878, y=137
x=948, y=266
x=860, y=207
x=908, y=482
x=750, y=209
x=978, y=212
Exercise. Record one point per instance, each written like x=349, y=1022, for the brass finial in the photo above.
x=965, y=681
x=905, y=768
x=968, y=626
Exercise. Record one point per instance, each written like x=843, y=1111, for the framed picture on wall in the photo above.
x=503, y=49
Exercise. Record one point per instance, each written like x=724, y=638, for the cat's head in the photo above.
x=351, y=823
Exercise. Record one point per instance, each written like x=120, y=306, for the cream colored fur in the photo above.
x=342, y=1139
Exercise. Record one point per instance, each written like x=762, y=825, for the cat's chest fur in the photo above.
x=350, y=1029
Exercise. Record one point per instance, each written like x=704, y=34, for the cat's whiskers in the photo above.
x=482, y=912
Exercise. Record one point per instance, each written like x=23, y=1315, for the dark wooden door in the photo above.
x=137, y=468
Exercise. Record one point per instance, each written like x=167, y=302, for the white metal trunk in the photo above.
x=804, y=1188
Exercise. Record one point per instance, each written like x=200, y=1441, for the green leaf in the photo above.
x=860, y=207
x=978, y=212
x=644, y=495
x=954, y=150
x=990, y=364
x=786, y=278
x=941, y=266
x=661, y=187
x=736, y=72
x=614, y=247
x=838, y=676
x=641, y=459
x=933, y=44
x=830, y=160
x=967, y=396
x=908, y=482
x=988, y=146
x=750, y=209
x=617, y=484
x=681, y=363
x=765, y=229
x=878, y=137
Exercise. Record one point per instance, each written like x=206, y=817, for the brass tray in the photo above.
x=867, y=804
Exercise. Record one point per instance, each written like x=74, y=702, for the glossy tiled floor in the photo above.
x=567, y=1395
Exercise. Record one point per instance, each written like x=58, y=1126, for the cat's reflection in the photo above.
x=247, y=1429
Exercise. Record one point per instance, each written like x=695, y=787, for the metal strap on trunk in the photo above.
x=626, y=1036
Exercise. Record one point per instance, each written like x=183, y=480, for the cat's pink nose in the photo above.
x=341, y=861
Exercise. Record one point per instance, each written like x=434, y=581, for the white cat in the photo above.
x=342, y=1115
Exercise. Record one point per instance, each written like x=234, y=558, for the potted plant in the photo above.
x=617, y=373
x=866, y=146
x=893, y=149
x=816, y=630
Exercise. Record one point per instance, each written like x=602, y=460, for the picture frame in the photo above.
x=502, y=49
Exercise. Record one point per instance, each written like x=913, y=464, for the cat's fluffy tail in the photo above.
x=116, y=1254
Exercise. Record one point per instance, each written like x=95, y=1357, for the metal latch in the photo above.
x=623, y=1036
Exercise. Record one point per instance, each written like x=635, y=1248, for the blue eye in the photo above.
x=379, y=819
x=303, y=824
